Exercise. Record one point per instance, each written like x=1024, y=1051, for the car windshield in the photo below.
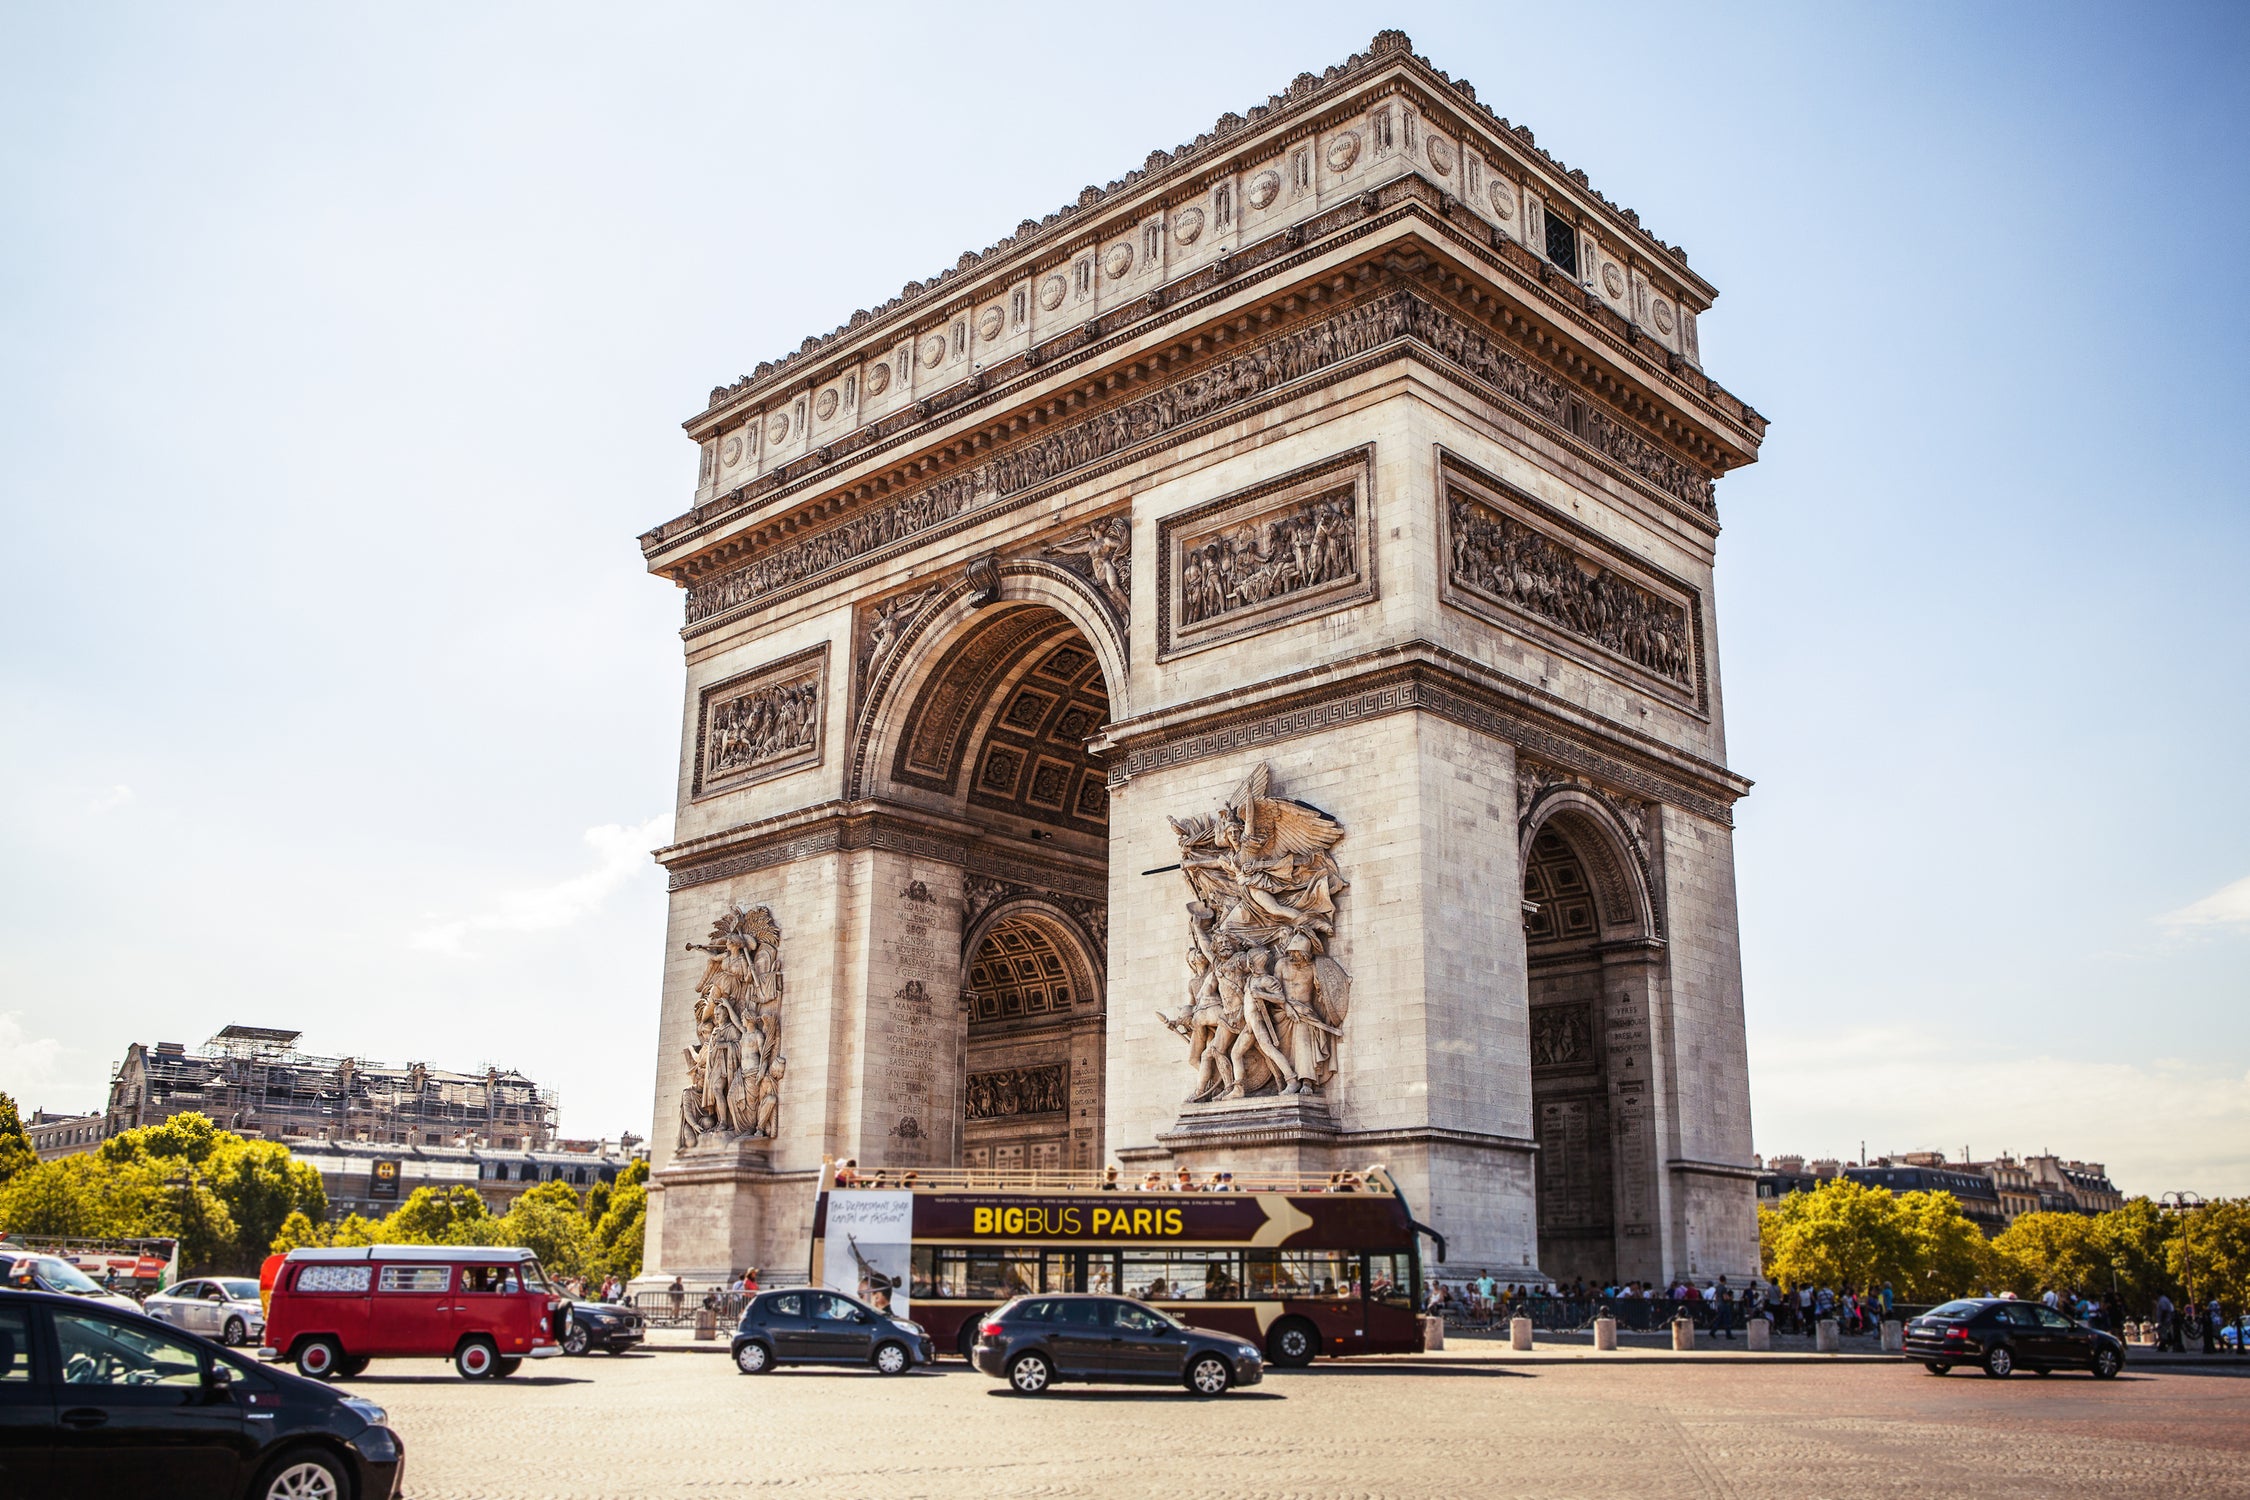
x=62, y=1276
x=536, y=1279
x=1954, y=1310
x=241, y=1291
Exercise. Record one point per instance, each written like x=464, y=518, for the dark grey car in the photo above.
x=808, y=1326
x=1035, y=1341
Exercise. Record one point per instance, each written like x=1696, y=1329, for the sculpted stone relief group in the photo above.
x=1315, y=346
x=1017, y=1091
x=735, y=1068
x=1500, y=557
x=1265, y=1002
x=762, y=725
x=1270, y=557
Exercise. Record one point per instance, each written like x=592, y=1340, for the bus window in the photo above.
x=1101, y=1272
x=1183, y=1276
x=1002, y=1273
x=1148, y=1277
x=1390, y=1280
x=1319, y=1273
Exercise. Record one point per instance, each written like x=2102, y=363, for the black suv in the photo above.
x=99, y=1402
x=1035, y=1341
x=814, y=1327
x=2003, y=1335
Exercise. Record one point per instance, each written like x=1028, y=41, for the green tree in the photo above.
x=550, y=1222
x=435, y=1216
x=2136, y=1240
x=619, y=1237
x=2060, y=1251
x=15, y=1147
x=42, y=1199
x=1841, y=1234
x=2210, y=1256
x=189, y=1137
x=1947, y=1252
x=299, y=1232
x=262, y=1187
x=597, y=1202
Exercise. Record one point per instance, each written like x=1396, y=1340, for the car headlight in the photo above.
x=598, y=1320
x=367, y=1411
x=911, y=1326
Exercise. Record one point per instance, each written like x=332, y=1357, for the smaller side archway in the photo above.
x=1033, y=985
x=1593, y=954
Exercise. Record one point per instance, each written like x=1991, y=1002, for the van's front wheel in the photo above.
x=476, y=1359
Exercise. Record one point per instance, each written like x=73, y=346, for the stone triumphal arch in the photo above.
x=1226, y=676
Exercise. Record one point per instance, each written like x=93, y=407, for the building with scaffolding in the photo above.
x=253, y=1080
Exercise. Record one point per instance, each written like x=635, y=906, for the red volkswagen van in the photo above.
x=487, y=1310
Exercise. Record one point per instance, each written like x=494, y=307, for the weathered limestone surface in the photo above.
x=1359, y=441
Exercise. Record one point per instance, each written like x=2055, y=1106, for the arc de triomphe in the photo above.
x=1227, y=677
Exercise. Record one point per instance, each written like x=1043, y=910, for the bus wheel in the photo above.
x=966, y=1344
x=1292, y=1344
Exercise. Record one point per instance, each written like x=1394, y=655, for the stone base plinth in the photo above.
x=716, y=1211
x=1275, y=1133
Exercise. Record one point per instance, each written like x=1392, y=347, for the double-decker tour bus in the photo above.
x=1299, y=1265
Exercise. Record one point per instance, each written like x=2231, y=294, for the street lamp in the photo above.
x=2184, y=1204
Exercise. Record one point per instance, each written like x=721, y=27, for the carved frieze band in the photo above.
x=1314, y=346
x=1506, y=562
x=1403, y=690
x=761, y=723
x=1294, y=546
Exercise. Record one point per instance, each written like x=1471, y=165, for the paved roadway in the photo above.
x=682, y=1424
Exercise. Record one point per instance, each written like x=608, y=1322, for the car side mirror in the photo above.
x=218, y=1377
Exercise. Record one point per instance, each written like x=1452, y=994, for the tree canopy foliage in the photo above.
x=15, y=1146
x=222, y=1197
x=1846, y=1234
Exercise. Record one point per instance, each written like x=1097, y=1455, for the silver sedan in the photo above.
x=225, y=1308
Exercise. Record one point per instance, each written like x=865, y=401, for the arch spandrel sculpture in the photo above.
x=1119, y=665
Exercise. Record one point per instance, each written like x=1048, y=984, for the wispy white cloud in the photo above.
x=621, y=852
x=26, y=1061
x=111, y=800
x=2228, y=906
x=2157, y=1122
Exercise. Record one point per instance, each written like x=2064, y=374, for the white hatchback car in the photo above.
x=225, y=1308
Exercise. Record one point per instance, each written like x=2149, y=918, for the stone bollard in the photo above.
x=1605, y=1333
x=1433, y=1333
x=2142, y=1333
x=1827, y=1339
x=706, y=1323
x=1761, y=1335
x=1683, y=1333
x=1519, y=1333
x=1894, y=1336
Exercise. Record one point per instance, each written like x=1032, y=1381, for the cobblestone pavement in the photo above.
x=679, y=1424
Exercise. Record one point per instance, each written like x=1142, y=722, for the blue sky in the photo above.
x=342, y=356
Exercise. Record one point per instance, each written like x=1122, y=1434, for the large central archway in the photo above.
x=985, y=721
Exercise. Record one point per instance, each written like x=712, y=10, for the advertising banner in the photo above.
x=870, y=1240
x=382, y=1180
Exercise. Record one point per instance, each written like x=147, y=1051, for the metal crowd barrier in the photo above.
x=663, y=1309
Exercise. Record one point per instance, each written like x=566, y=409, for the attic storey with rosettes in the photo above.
x=1228, y=675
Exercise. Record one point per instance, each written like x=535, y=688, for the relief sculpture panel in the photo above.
x=735, y=1068
x=762, y=723
x=1007, y=1092
x=1498, y=560
x=1266, y=1003
x=1291, y=547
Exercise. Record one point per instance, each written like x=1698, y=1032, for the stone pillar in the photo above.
x=1826, y=1339
x=1761, y=1335
x=1683, y=1334
x=1894, y=1336
x=1519, y=1333
x=1605, y=1333
x=1433, y=1333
